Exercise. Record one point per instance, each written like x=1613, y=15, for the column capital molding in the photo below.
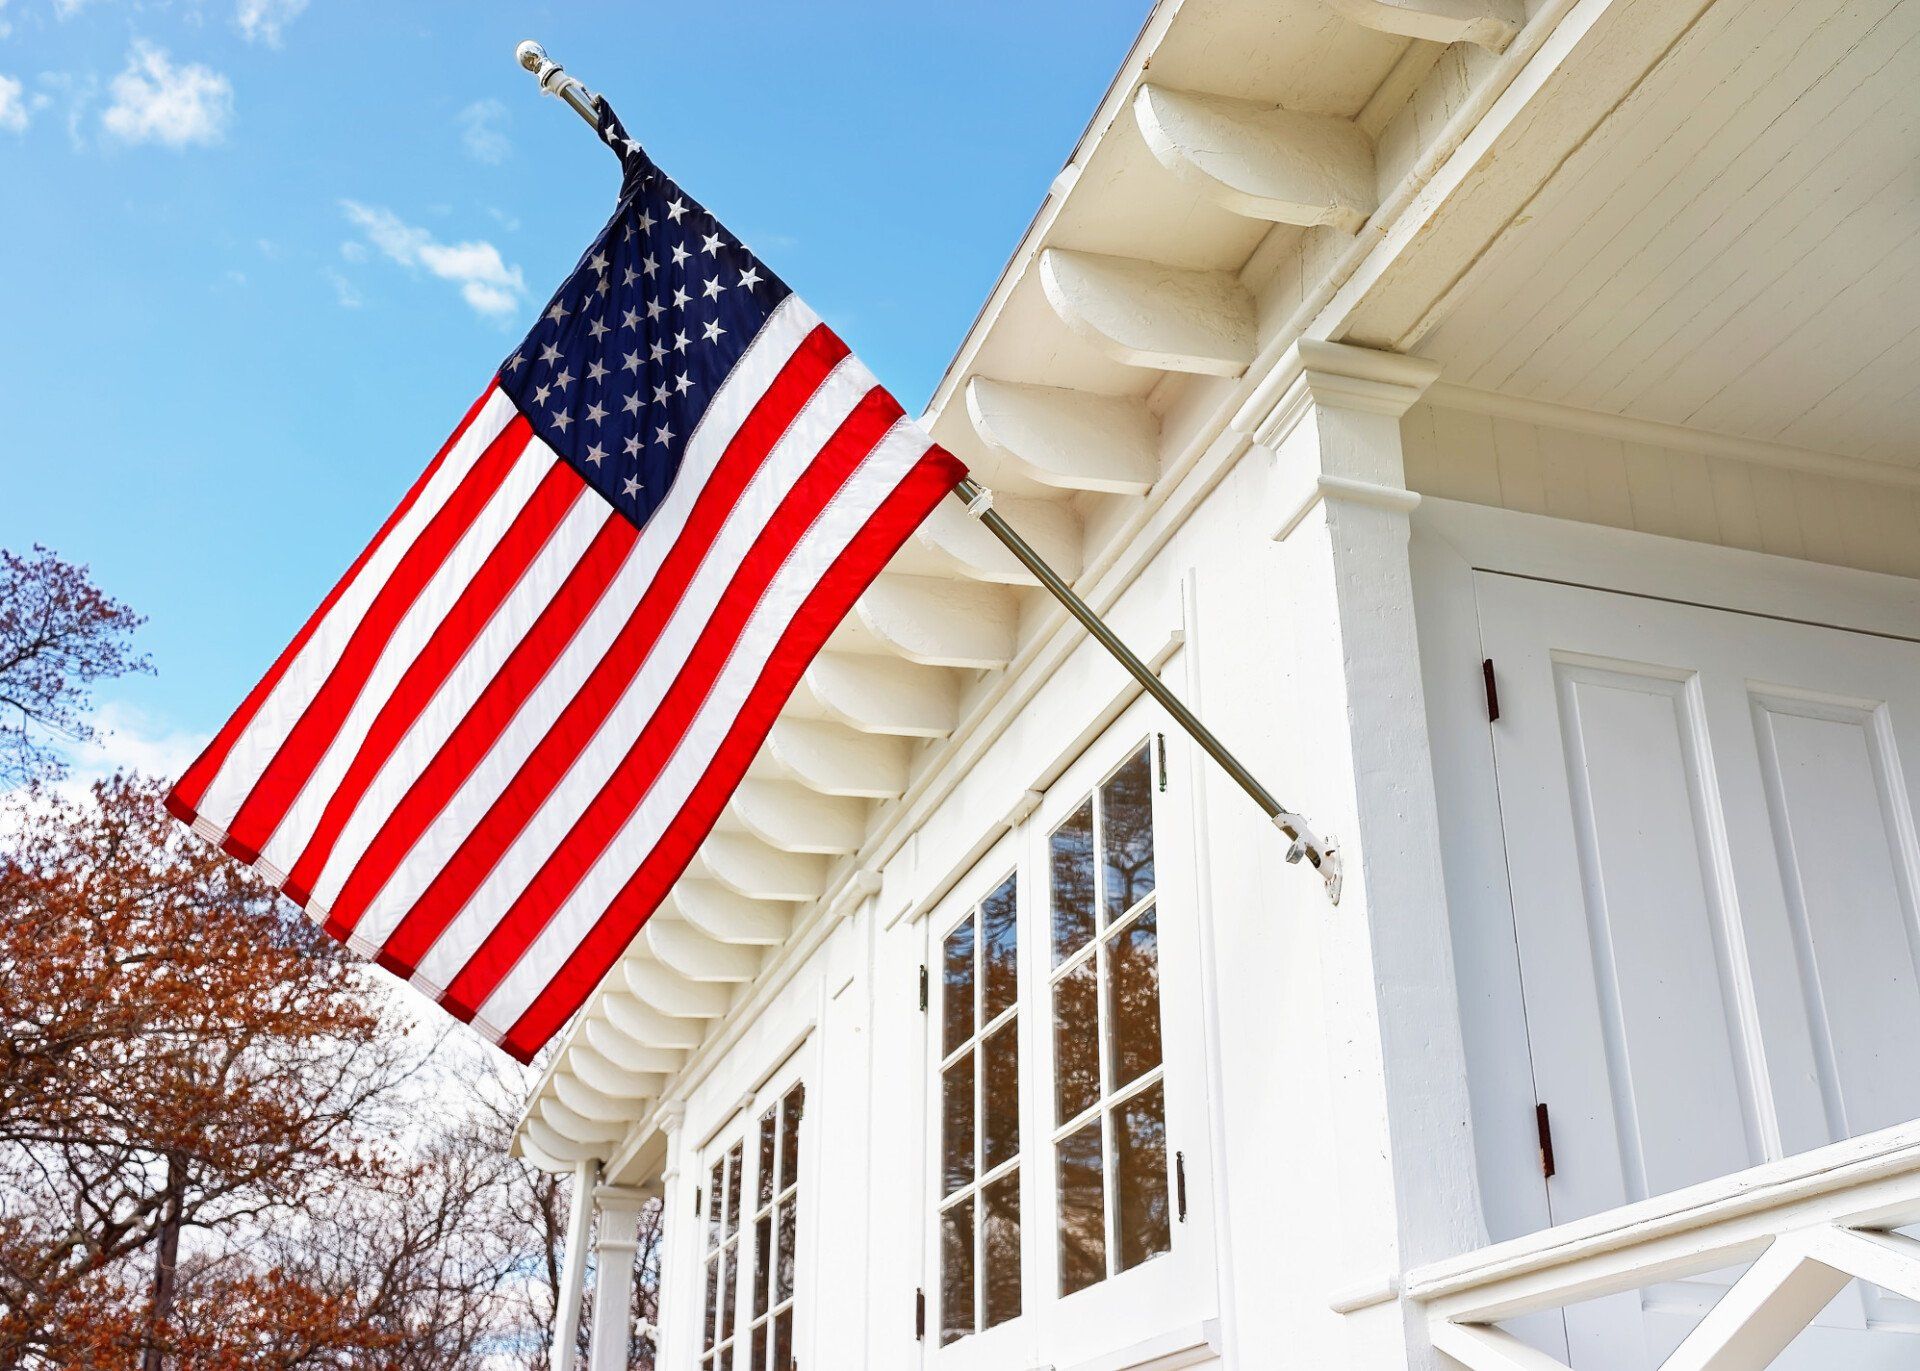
x=618, y=1197
x=1342, y=376
x=670, y=1115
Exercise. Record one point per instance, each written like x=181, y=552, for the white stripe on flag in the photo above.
x=838, y=525
x=291, y=695
x=798, y=447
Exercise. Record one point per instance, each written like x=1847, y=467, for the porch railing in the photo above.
x=1808, y=1224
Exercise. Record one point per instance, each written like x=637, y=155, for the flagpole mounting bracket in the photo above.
x=554, y=80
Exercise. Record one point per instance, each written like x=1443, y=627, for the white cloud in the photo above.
x=345, y=293
x=486, y=282
x=13, y=105
x=353, y=252
x=66, y=9
x=480, y=132
x=5, y=27
x=264, y=21
x=131, y=739
x=155, y=101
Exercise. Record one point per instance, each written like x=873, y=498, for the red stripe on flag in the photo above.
x=184, y=799
x=603, y=817
x=923, y=487
x=304, y=746
x=488, y=716
x=462, y=625
x=798, y=380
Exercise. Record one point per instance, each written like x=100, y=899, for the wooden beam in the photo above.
x=1262, y=161
x=743, y=863
x=1762, y=1312
x=552, y=1143
x=874, y=694
x=576, y=1093
x=644, y=1024
x=963, y=545
x=1489, y=1349
x=941, y=623
x=683, y=948
x=671, y=993
x=570, y=1124
x=792, y=818
x=837, y=761
x=1490, y=24
x=1067, y=438
x=593, y=1067
x=626, y=1054
x=1888, y=1260
x=728, y=917
x=1146, y=314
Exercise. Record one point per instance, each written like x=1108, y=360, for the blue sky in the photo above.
x=257, y=256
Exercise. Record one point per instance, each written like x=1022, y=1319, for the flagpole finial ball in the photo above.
x=532, y=56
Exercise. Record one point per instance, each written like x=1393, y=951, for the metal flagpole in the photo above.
x=1318, y=851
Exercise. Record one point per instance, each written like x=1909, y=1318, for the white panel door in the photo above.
x=1710, y=841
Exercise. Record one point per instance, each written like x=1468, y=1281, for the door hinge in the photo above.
x=1493, y=691
x=1180, y=1184
x=920, y=1315
x=697, y=1206
x=1545, y=1126
x=923, y=988
x=1160, y=747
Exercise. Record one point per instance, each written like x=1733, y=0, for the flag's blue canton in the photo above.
x=632, y=347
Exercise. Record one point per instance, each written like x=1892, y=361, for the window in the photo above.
x=1110, y=1150
x=752, y=1207
x=1067, y=1192
x=980, y=1117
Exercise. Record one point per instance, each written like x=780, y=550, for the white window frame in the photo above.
x=742, y=1129
x=1168, y=1292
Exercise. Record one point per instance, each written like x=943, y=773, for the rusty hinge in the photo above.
x=1180, y=1184
x=1545, y=1126
x=1493, y=691
x=1160, y=747
x=920, y=1315
x=923, y=987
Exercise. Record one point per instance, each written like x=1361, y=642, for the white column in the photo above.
x=573, y=1266
x=618, y=1210
x=681, y=1297
x=1397, y=1060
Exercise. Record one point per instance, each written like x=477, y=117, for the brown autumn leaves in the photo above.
x=221, y=1143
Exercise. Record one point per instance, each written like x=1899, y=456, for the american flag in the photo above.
x=500, y=739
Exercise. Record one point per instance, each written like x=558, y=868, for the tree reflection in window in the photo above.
x=1110, y=1153
x=979, y=1219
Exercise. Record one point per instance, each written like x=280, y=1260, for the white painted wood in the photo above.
x=963, y=545
x=837, y=761
x=728, y=917
x=683, y=948
x=1716, y=935
x=560, y=1146
x=794, y=819
x=672, y=994
x=744, y=864
x=1260, y=160
x=874, y=694
x=1146, y=314
x=938, y=622
x=573, y=1091
x=1480, y=1348
x=599, y=1071
x=1763, y=1312
x=618, y=1211
x=573, y=1267
x=1067, y=438
x=1490, y=24
x=646, y=1025
x=570, y=1123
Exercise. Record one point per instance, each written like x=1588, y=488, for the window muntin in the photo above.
x=1110, y=1162
x=979, y=1175
x=753, y=1197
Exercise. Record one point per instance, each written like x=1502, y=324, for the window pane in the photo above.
x=957, y=990
x=956, y=1272
x=1000, y=1249
x=1070, y=865
x=1133, y=1000
x=1142, y=1225
x=1083, y=1210
x=1126, y=817
x=1076, y=1041
x=713, y=1300
x=731, y=1265
x=716, y=1201
x=957, y=1110
x=733, y=1188
x=1000, y=1095
x=766, y=1158
x=759, y=1347
x=792, y=1108
x=762, y=1263
x=783, y=1264
x=998, y=934
x=783, y=1342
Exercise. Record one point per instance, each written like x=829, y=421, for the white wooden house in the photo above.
x=1503, y=424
